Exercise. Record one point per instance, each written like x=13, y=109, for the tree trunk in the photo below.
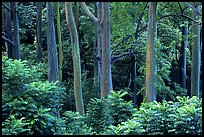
x=59, y=42
x=8, y=29
x=184, y=45
x=51, y=45
x=76, y=14
x=96, y=61
x=133, y=82
x=106, y=58
x=39, y=31
x=16, y=31
x=150, y=62
x=76, y=58
x=99, y=42
x=195, y=68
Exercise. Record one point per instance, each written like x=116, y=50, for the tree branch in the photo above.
x=189, y=18
x=114, y=59
x=123, y=40
x=6, y=7
x=194, y=9
x=7, y=40
x=87, y=11
x=139, y=21
x=180, y=8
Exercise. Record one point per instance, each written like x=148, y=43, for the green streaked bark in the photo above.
x=106, y=58
x=195, y=66
x=184, y=45
x=76, y=59
x=150, y=62
x=59, y=42
x=51, y=45
x=16, y=30
x=39, y=31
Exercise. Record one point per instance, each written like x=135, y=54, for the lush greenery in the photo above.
x=27, y=108
x=33, y=106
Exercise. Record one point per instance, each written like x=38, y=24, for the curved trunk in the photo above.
x=76, y=59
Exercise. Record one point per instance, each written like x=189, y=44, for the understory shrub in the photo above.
x=27, y=102
x=72, y=123
x=183, y=117
x=97, y=115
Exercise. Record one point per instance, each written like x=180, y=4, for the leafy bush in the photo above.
x=102, y=113
x=13, y=126
x=129, y=127
x=72, y=123
x=97, y=115
x=31, y=106
x=120, y=110
x=175, y=118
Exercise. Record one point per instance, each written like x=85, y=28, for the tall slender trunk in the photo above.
x=150, y=61
x=184, y=45
x=195, y=66
x=76, y=14
x=99, y=42
x=133, y=80
x=75, y=57
x=96, y=61
x=106, y=58
x=59, y=42
x=8, y=29
x=39, y=31
x=51, y=45
x=16, y=30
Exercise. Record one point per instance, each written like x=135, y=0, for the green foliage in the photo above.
x=97, y=115
x=120, y=110
x=174, y=118
x=129, y=127
x=101, y=113
x=31, y=105
x=15, y=74
x=27, y=16
x=13, y=126
x=72, y=123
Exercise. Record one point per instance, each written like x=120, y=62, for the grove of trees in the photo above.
x=119, y=68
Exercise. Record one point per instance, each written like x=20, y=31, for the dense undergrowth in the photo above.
x=31, y=105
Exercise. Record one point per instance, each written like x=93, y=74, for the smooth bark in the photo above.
x=195, y=66
x=59, y=42
x=184, y=45
x=39, y=31
x=51, y=45
x=96, y=61
x=106, y=58
x=8, y=30
x=76, y=58
x=150, y=62
x=16, y=31
x=133, y=80
x=99, y=42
